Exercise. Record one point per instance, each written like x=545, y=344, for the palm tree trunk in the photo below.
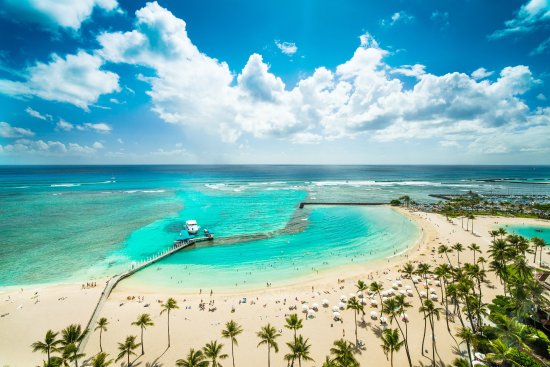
x=433, y=340
x=100, y=347
x=356, y=338
x=540, y=256
x=420, y=298
x=391, y=358
x=232, y=353
x=168, y=328
x=469, y=353
x=48, y=356
x=405, y=338
x=128, y=360
x=142, y=348
x=268, y=355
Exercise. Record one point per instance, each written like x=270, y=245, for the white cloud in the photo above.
x=397, y=17
x=48, y=148
x=120, y=141
x=528, y=18
x=542, y=48
x=97, y=145
x=75, y=79
x=64, y=125
x=8, y=131
x=361, y=98
x=541, y=97
x=481, y=73
x=288, y=48
x=56, y=13
x=440, y=18
x=37, y=114
x=101, y=127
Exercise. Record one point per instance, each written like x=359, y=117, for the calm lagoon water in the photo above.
x=71, y=223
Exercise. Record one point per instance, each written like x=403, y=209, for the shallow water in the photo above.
x=72, y=223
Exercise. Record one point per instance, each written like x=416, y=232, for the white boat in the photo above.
x=191, y=226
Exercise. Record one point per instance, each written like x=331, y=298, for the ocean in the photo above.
x=75, y=223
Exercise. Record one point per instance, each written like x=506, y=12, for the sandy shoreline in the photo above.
x=59, y=305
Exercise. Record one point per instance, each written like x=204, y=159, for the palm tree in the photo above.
x=101, y=326
x=100, y=360
x=468, y=337
x=461, y=362
x=396, y=308
x=195, y=358
x=71, y=354
x=342, y=351
x=143, y=321
x=213, y=351
x=377, y=287
x=458, y=248
x=472, y=217
x=355, y=305
x=431, y=312
x=391, y=342
x=293, y=322
x=329, y=362
x=501, y=232
x=501, y=352
x=126, y=349
x=71, y=337
x=406, y=199
x=169, y=305
x=48, y=346
x=493, y=234
x=443, y=249
x=268, y=335
x=299, y=349
x=232, y=329
x=361, y=286
x=475, y=248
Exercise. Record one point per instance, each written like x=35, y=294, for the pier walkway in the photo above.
x=135, y=267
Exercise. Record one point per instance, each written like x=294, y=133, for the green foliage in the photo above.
x=395, y=202
x=523, y=359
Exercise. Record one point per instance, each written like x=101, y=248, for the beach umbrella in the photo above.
x=325, y=303
x=438, y=283
x=335, y=308
x=373, y=315
x=432, y=291
x=305, y=307
x=343, y=298
x=383, y=320
x=408, y=287
x=384, y=299
x=399, y=283
x=336, y=315
x=402, y=292
x=373, y=302
x=405, y=317
x=311, y=313
x=342, y=305
x=434, y=297
x=394, y=286
x=363, y=301
x=360, y=294
x=352, y=295
x=315, y=306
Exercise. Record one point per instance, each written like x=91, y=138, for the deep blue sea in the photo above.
x=73, y=223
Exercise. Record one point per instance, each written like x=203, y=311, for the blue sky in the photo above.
x=418, y=81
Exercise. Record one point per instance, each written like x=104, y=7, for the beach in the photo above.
x=25, y=320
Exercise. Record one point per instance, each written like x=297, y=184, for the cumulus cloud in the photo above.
x=531, y=15
x=542, y=48
x=49, y=148
x=64, y=125
x=37, y=114
x=363, y=97
x=288, y=48
x=56, y=13
x=397, y=17
x=481, y=73
x=8, y=131
x=101, y=127
x=97, y=145
x=75, y=79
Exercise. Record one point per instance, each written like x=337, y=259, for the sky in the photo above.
x=275, y=82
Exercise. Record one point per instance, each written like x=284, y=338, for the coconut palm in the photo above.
x=377, y=287
x=355, y=305
x=299, y=349
x=127, y=348
x=329, y=362
x=458, y=248
x=432, y=312
x=474, y=248
x=213, y=351
x=232, y=329
x=468, y=337
x=168, y=306
x=501, y=353
x=391, y=342
x=143, y=321
x=71, y=337
x=493, y=234
x=268, y=335
x=444, y=249
x=423, y=270
x=342, y=351
x=406, y=199
x=461, y=362
x=48, y=346
x=195, y=358
x=361, y=286
x=101, y=326
x=502, y=232
x=100, y=360
x=472, y=217
x=293, y=322
x=71, y=354
x=396, y=307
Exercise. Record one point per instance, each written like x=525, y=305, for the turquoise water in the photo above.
x=531, y=231
x=334, y=236
x=72, y=223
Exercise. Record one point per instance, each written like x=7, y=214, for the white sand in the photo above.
x=192, y=328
